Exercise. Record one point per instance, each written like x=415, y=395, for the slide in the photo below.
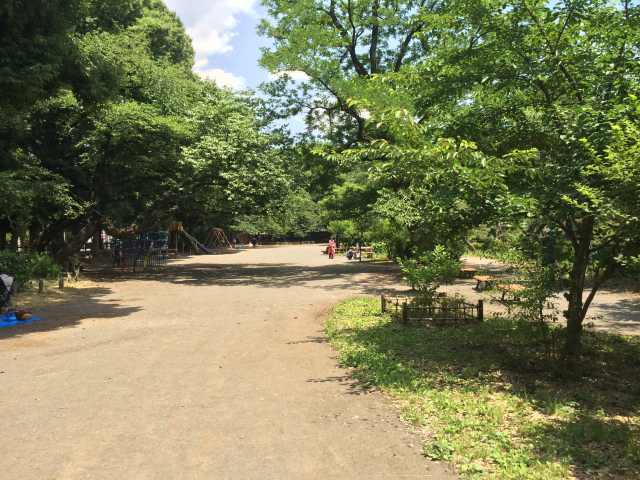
x=195, y=242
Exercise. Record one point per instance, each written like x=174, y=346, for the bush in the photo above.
x=429, y=271
x=28, y=266
x=43, y=266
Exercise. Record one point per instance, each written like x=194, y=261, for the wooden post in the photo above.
x=481, y=310
x=40, y=286
x=383, y=303
x=405, y=314
x=61, y=282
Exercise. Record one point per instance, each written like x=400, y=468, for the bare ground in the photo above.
x=216, y=367
x=615, y=309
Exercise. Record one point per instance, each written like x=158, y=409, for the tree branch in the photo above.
x=598, y=282
x=404, y=46
x=351, y=41
x=375, y=37
x=346, y=108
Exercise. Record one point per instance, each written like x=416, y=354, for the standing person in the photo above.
x=332, y=249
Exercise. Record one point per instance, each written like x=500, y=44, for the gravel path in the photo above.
x=215, y=368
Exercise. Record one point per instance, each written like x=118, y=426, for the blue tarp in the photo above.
x=10, y=320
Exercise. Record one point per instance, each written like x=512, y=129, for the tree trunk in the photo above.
x=69, y=248
x=575, y=312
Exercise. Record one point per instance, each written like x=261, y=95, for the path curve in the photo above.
x=215, y=368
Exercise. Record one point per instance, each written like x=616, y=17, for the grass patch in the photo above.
x=491, y=406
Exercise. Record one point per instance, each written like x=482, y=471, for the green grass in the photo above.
x=491, y=404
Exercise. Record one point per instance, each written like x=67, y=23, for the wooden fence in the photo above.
x=442, y=310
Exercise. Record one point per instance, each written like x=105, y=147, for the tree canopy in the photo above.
x=106, y=127
x=456, y=114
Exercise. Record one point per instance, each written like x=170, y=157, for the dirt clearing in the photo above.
x=216, y=367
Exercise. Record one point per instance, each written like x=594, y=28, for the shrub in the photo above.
x=43, y=266
x=428, y=272
x=28, y=266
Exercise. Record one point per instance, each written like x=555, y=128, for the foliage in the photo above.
x=104, y=125
x=26, y=266
x=493, y=408
x=394, y=238
x=522, y=113
x=345, y=230
x=293, y=217
x=338, y=45
x=524, y=85
x=536, y=308
x=427, y=273
x=43, y=266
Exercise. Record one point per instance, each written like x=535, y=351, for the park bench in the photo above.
x=483, y=281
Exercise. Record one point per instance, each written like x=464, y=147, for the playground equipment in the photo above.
x=147, y=250
x=216, y=239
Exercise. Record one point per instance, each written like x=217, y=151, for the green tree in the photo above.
x=339, y=45
x=549, y=87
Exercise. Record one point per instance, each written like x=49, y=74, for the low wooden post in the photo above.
x=481, y=310
x=61, y=282
x=40, y=286
x=405, y=314
x=383, y=303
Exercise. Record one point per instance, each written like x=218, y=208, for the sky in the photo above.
x=225, y=40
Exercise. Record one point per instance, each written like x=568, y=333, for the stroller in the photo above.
x=7, y=288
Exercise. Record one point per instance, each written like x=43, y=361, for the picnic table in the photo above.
x=483, y=281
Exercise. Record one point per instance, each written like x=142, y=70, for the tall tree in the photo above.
x=549, y=86
x=339, y=45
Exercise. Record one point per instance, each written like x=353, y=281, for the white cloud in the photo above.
x=296, y=75
x=211, y=23
x=223, y=78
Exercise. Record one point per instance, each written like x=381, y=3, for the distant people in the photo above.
x=350, y=254
x=331, y=249
x=254, y=241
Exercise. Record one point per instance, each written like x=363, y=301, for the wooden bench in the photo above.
x=483, y=281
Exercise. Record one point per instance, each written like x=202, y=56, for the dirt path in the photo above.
x=215, y=369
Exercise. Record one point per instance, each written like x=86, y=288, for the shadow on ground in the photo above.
x=77, y=305
x=620, y=314
x=368, y=277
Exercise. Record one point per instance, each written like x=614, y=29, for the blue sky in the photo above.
x=225, y=39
